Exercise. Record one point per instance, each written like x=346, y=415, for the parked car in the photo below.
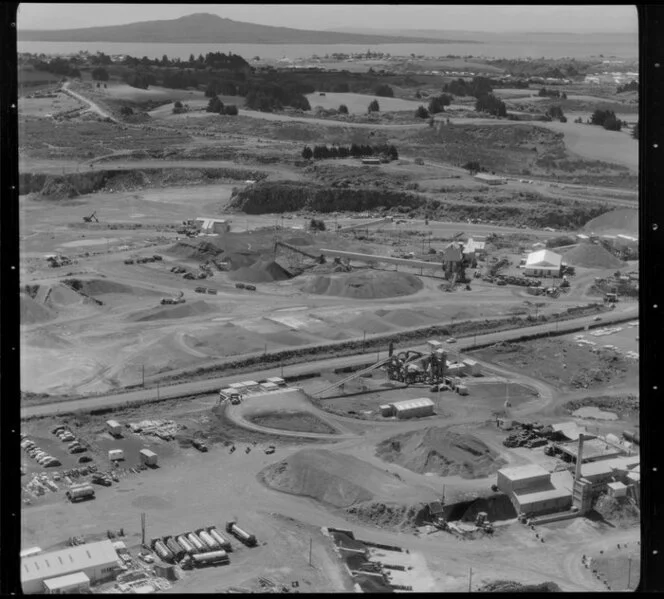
x=451, y=340
x=200, y=445
x=597, y=318
x=57, y=429
x=101, y=480
x=52, y=463
x=73, y=444
x=78, y=449
x=146, y=557
x=84, y=458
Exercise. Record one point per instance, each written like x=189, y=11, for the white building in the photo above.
x=413, y=408
x=543, y=263
x=213, y=226
x=97, y=561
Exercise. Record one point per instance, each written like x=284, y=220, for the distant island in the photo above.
x=209, y=28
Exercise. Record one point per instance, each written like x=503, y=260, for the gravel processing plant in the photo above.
x=248, y=370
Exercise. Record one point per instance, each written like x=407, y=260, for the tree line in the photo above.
x=552, y=93
x=322, y=152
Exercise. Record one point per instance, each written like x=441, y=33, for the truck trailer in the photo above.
x=221, y=539
x=248, y=539
x=176, y=550
x=116, y=454
x=149, y=458
x=162, y=551
x=205, y=536
x=114, y=428
x=197, y=543
x=186, y=545
x=210, y=558
x=80, y=493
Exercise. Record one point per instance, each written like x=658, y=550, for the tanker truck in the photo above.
x=221, y=539
x=162, y=551
x=210, y=558
x=197, y=543
x=205, y=536
x=80, y=493
x=186, y=545
x=248, y=539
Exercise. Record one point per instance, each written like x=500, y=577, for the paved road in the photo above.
x=213, y=384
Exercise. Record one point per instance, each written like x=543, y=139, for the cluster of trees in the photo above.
x=384, y=91
x=100, y=74
x=353, y=151
x=477, y=87
x=267, y=97
x=57, y=66
x=473, y=167
x=489, y=103
x=212, y=60
x=606, y=119
x=373, y=106
x=317, y=224
x=552, y=93
x=181, y=79
x=632, y=86
x=421, y=113
x=437, y=103
x=217, y=106
x=556, y=112
x=139, y=79
x=225, y=88
x=635, y=131
x=343, y=109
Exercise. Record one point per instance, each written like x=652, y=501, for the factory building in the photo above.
x=531, y=491
x=51, y=572
x=490, y=179
x=413, y=408
x=594, y=450
x=543, y=263
x=213, y=226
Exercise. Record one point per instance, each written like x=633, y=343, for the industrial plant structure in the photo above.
x=71, y=568
x=543, y=263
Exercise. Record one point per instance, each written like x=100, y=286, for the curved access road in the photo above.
x=92, y=106
x=212, y=385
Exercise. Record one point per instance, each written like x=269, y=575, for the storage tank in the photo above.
x=242, y=535
x=211, y=557
x=221, y=539
x=162, y=551
x=205, y=536
x=196, y=542
x=186, y=545
x=177, y=551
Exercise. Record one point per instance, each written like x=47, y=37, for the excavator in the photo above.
x=91, y=218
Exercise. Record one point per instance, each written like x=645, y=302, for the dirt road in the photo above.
x=211, y=385
x=93, y=107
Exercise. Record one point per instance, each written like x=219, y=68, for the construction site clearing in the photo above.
x=244, y=371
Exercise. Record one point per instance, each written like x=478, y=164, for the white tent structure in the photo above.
x=543, y=263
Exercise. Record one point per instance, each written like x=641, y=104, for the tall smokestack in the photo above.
x=579, y=460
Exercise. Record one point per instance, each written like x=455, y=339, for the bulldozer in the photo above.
x=91, y=218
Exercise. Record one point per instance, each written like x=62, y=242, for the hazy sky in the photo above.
x=565, y=18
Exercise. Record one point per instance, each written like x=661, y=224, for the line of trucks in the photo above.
x=205, y=546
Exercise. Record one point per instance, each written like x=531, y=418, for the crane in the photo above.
x=92, y=217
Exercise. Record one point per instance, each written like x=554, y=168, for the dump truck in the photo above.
x=196, y=542
x=210, y=558
x=221, y=539
x=242, y=535
x=114, y=427
x=149, y=458
x=162, y=551
x=80, y=493
x=205, y=536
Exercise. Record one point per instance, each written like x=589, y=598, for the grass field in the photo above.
x=41, y=107
x=358, y=103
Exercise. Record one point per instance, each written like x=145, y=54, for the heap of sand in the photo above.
x=367, y=284
x=194, y=250
x=441, y=452
x=591, y=255
x=261, y=271
x=338, y=479
x=624, y=221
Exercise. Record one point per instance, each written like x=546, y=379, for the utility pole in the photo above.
x=143, y=530
x=470, y=580
x=629, y=573
x=310, y=544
